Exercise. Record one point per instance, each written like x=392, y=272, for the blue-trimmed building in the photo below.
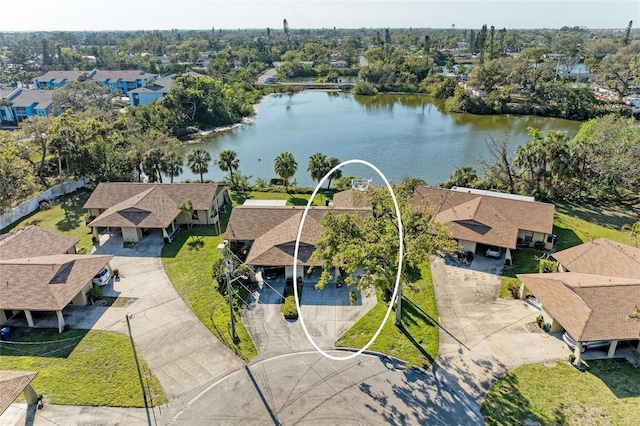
x=121, y=81
x=145, y=95
x=24, y=103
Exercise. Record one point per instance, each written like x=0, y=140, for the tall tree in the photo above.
x=285, y=27
x=357, y=242
x=172, y=164
x=198, y=161
x=285, y=166
x=331, y=163
x=152, y=164
x=186, y=207
x=228, y=162
x=318, y=166
x=627, y=33
x=33, y=131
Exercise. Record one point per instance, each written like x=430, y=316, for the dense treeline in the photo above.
x=598, y=164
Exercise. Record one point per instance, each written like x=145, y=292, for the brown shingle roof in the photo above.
x=12, y=383
x=108, y=194
x=602, y=256
x=152, y=208
x=274, y=231
x=34, y=241
x=589, y=307
x=483, y=218
x=351, y=199
x=47, y=282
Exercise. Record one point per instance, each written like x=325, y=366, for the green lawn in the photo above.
x=608, y=394
x=80, y=367
x=188, y=262
x=573, y=224
x=66, y=218
x=417, y=341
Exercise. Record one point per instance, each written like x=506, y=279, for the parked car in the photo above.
x=270, y=274
x=571, y=342
x=102, y=277
x=493, y=252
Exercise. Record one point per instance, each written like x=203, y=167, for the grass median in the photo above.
x=80, y=367
x=417, y=340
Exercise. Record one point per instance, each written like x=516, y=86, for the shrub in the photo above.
x=539, y=320
x=288, y=308
x=116, y=273
x=365, y=88
x=353, y=297
x=95, y=293
x=515, y=290
x=572, y=358
x=547, y=266
x=469, y=256
x=539, y=245
x=66, y=327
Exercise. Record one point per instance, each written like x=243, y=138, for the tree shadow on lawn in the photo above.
x=621, y=377
x=612, y=217
x=73, y=214
x=193, y=238
x=505, y=404
x=565, y=238
x=51, y=344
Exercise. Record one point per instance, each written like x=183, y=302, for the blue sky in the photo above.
x=45, y=15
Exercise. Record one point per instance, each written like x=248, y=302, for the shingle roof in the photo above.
x=46, y=282
x=274, y=229
x=602, y=256
x=26, y=98
x=34, y=241
x=12, y=384
x=108, y=194
x=125, y=75
x=163, y=85
x=351, y=199
x=59, y=76
x=483, y=218
x=589, y=307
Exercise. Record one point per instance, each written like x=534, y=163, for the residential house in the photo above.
x=478, y=219
x=147, y=94
x=135, y=208
x=13, y=383
x=118, y=81
x=57, y=79
x=268, y=234
x=593, y=295
x=40, y=271
x=24, y=103
x=122, y=81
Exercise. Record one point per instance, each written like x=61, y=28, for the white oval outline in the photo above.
x=295, y=260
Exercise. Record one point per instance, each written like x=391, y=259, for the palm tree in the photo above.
x=285, y=166
x=198, y=161
x=331, y=163
x=634, y=230
x=229, y=163
x=317, y=166
x=151, y=164
x=172, y=165
x=187, y=208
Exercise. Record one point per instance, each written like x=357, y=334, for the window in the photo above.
x=528, y=236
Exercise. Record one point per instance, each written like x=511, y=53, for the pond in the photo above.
x=405, y=135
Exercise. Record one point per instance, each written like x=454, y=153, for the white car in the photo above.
x=101, y=278
x=493, y=252
x=571, y=342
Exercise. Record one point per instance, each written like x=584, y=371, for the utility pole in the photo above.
x=135, y=356
x=224, y=249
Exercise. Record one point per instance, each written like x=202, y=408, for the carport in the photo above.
x=589, y=307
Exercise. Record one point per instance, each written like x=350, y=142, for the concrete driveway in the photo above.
x=327, y=315
x=482, y=337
